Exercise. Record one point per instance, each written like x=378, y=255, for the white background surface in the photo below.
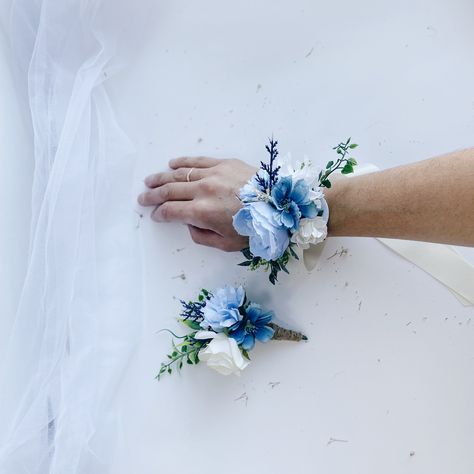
x=389, y=364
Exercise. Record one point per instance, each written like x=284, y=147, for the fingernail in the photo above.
x=141, y=199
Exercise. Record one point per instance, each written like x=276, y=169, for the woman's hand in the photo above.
x=202, y=193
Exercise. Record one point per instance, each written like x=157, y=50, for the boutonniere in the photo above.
x=224, y=327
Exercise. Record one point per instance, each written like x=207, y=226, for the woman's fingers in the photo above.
x=180, y=175
x=206, y=237
x=168, y=192
x=195, y=213
x=175, y=211
x=194, y=162
x=211, y=238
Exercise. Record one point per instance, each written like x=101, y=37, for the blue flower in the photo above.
x=222, y=309
x=292, y=201
x=253, y=326
x=268, y=239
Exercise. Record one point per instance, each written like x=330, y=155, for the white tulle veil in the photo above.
x=79, y=317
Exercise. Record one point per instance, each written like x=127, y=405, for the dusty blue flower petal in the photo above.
x=268, y=239
x=281, y=190
x=264, y=318
x=243, y=221
x=310, y=211
x=287, y=219
x=222, y=309
x=292, y=202
x=264, y=334
x=300, y=192
x=258, y=316
x=238, y=335
x=253, y=312
x=229, y=317
x=249, y=342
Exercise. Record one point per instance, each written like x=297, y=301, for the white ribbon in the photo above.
x=440, y=261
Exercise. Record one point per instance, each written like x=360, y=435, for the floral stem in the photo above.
x=282, y=334
x=334, y=168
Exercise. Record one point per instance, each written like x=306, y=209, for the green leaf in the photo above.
x=352, y=161
x=347, y=169
x=191, y=324
x=353, y=145
x=330, y=163
x=245, y=353
x=247, y=253
x=293, y=253
x=247, y=263
x=326, y=183
x=194, y=357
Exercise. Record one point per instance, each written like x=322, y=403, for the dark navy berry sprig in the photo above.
x=192, y=310
x=269, y=177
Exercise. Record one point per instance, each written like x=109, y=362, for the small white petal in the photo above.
x=205, y=335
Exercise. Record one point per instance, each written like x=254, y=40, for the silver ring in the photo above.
x=188, y=176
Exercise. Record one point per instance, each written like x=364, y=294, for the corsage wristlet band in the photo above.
x=283, y=208
x=224, y=326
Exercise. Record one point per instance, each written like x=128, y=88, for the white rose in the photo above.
x=310, y=232
x=222, y=353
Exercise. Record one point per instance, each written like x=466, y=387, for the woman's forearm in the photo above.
x=431, y=200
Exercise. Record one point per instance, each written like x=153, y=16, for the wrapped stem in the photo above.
x=282, y=334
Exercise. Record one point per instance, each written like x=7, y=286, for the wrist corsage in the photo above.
x=283, y=208
x=224, y=326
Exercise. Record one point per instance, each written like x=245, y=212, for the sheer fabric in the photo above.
x=79, y=315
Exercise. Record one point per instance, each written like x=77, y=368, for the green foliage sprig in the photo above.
x=271, y=266
x=343, y=163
